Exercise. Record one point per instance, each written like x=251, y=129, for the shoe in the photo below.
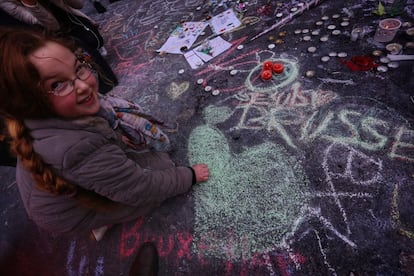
x=98, y=6
x=146, y=261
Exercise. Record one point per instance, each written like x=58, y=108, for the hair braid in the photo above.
x=22, y=146
x=43, y=174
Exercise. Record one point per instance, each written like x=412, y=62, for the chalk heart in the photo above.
x=176, y=90
x=252, y=199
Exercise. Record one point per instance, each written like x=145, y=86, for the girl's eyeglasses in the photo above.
x=64, y=88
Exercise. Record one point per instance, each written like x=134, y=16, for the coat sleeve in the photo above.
x=105, y=169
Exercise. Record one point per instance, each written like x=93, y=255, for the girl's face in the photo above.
x=59, y=71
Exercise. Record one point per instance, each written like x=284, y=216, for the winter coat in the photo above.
x=88, y=153
x=16, y=9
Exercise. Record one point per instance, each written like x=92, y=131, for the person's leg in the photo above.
x=98, y=6
x=146, y=261
x=6, y=158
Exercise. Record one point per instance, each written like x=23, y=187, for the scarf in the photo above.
x=140, y=127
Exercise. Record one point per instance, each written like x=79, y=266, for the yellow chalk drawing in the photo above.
x=174, y=91
x=395, y=215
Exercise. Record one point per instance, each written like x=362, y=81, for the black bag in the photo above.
x=84, y=30
x=76, y=26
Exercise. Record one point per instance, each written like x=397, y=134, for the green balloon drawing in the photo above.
x=251, y=200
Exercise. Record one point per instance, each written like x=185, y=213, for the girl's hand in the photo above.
x=202, y=172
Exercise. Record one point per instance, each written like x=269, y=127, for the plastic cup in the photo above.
x=387, y=29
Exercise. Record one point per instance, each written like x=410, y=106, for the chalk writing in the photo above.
x=83, y=263
x=178, y=247
x=403, y=147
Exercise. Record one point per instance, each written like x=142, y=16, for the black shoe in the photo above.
x=98, y=6
x=146, y=261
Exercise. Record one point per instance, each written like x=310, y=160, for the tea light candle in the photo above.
x=278, y=68
x=387, y=29
x=267, y=65
x=266, y=75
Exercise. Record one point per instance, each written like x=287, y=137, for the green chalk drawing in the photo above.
x=251, y=199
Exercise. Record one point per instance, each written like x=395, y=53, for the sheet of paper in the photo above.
x=194, y=60
x=224, y=22
x=212, y=48
x=183, y=36
x=206, y=51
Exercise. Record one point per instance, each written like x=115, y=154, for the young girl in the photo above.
x=74, y=173
x=64, y=18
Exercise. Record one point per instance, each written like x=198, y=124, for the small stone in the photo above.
x=335, y=16
x=332, y=54
x=200, y=81
x=279, y=14
x=306, y=38
x=319, y=23
x=181, y=71
x=215, y=92
x=208, y=88
x=305, y=31
x=342, y=54
x=297, y=31
x=316, y=32
x=312, y=49
x=271, y=46
x=324, y=18
x=239, y=47
x=331, y=27
x=336, y=32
